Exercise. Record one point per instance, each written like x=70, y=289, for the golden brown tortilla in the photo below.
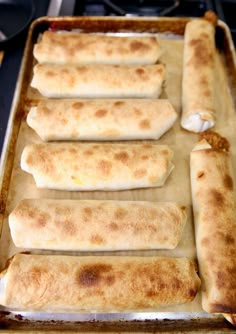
x=198, y=89
x=95, y=225
x=214, y=215
x=94, y=166
x=100, y=283
x=98, y=81
x=69, y=119
x=82, y=48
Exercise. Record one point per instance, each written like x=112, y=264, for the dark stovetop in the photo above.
x=9, y=71
x=225, y=10
x=143, y=7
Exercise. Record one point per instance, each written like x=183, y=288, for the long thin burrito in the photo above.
x=215, y=226
x=82, y=48
x=99, y=81
x=101, y=119
x=96, y=284
x=198, y=87
x=93, y=225
x=92, y=166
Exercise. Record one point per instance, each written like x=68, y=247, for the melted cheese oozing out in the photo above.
x=195, y=123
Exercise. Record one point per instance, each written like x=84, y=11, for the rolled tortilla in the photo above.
x=99, y=81
x=198, y=88
x=214, y=216
x=75, y=166
x=83, y=48
x=101, y=119
x=96, y=284
x=92, y=225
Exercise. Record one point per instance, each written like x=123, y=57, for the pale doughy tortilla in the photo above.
x=93, y=166
x=82, y=48
x=101, y=81
x=101, y=119
x=96, y=284
x=94, y=225
x=198, y=87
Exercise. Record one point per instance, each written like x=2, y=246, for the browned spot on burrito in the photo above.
x=101, y=113
x=92, y=275
x=77, y=105
x=228, y=182
x=64, y=121
x=137, y=45
x=81, y=69
x=114, y=226
x=217, y=198
x=68, y=227
x=205, y=242
x=105, y=167
x=122, y=156
x=65, y=71
x=119, y=103
x=203, y=80
x=50, y=74
x=73, y=150
x=201, y=174
x=138, y=112
x=139, y=173
x=89, y=152
x=200, y=56
x=145, y=124
x=140, y=71
x=97, y=239
x=42, y=219
x=121, y=213
x=207, y=93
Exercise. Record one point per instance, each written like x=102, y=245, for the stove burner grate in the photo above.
x=143, y=7
x=225, y=9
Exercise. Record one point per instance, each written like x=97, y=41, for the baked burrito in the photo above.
x=83, y=48
x=215, y=226
x=101, y=81
x=92, y=166
x=198, y=87
x=96, y=284
x=101, y=119
x=94, y=225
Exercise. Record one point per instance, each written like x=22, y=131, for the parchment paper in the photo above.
x=177, y=187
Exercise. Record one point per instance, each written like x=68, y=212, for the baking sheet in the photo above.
x=177, y=188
